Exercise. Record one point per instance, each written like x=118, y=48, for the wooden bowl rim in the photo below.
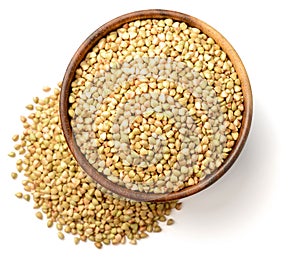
x=86, y=47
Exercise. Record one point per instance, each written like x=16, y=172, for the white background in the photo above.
x=253, y=211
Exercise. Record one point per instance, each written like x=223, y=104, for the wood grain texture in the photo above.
x=87, y=46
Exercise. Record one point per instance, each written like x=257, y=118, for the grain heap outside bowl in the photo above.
x=156, y=105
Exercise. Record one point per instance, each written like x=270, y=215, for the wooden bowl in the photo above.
x=87, y=46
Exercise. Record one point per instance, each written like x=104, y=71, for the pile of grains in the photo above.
x=156, y=106
x=65, y=195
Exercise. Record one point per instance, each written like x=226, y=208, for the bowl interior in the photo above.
x=87, y=46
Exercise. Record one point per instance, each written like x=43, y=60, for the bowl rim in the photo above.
x=87, y=46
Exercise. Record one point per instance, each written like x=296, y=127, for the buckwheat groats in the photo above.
x=156, y=106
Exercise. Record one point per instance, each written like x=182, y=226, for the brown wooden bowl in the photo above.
x=87, y=46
